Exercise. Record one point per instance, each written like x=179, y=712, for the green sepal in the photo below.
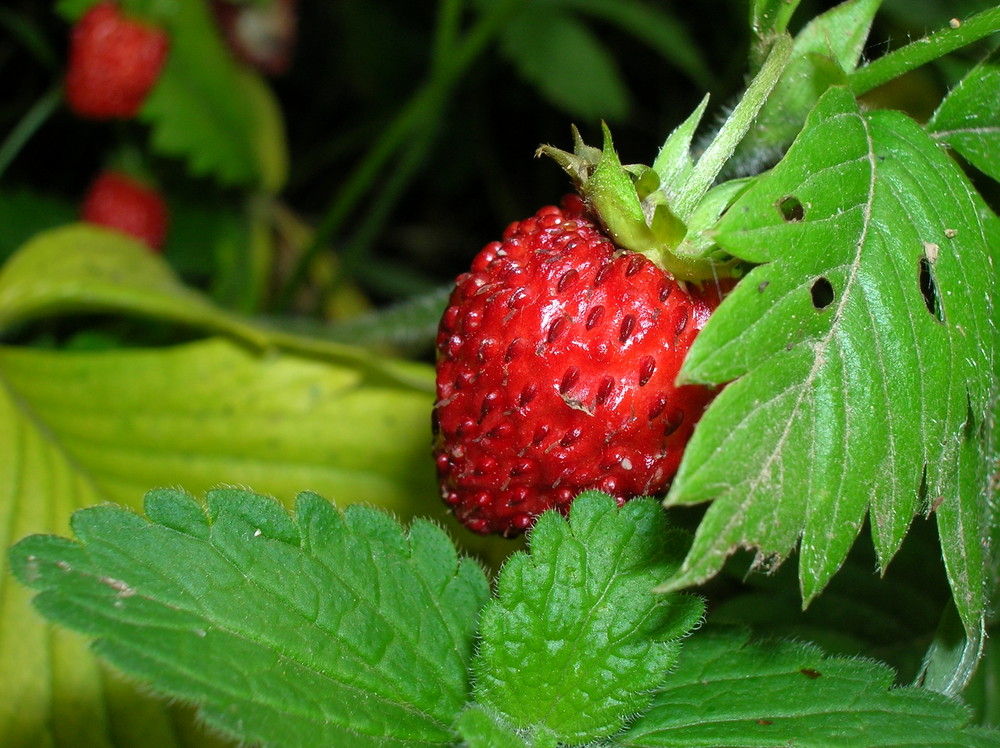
x=611, y=192
x=673, y=162
x=634, y=202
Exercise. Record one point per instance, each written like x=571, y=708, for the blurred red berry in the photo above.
x=120, y=202
x=114, y=61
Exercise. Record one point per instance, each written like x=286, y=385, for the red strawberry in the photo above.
x=557, y=360
x=114, y=61
x=121, y=202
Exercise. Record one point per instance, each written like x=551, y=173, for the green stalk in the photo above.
x=33, y=119
x=422, y=107
x=446, y=31
x=922, y=51
x=391, y=189
x=735, y=128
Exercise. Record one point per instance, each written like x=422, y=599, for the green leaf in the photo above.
x=84, y=268
x=575, y=639
x=727, y=690
x=87, y=268
x=656, y=27
x=968, y=120
x=367, y=641
x=481, y=728
x=208, y=109
x=79, y=429
x=982, y=693
x=890, y=618
x=863, y=351
x=561, y=57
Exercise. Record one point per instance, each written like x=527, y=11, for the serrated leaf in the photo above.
x=729, y=691
x=208, y=109
x=78, y=429
x=968, y=119
x=575, y=639
x=890, y=618
x=860, y=349
x=561, y=57
x=367, y=642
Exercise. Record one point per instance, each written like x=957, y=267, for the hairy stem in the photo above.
x=33, y=119
x=956, y=35
x=735, y=128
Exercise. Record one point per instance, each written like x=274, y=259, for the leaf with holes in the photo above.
x=863, y=353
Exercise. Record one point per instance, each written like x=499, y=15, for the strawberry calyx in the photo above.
x=667, y=211
x=636, y=209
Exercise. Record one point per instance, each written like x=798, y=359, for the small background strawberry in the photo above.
x=119, y=201
x=114, y=61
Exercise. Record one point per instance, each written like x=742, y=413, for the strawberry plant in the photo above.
x=734, y=408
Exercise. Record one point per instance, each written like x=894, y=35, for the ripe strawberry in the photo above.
x=114, y=61
x=120, y=202
x=556, y=368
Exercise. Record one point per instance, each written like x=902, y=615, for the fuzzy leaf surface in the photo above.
x=863, y=350
x=968, y=119
x=77, y=429
x=727, y=690
x=321, y=628
x=575, y=640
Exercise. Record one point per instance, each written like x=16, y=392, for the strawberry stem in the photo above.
x=732, y=132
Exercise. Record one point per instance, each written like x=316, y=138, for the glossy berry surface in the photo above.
x=557, y=357
x=120, y=202
x=114, y=62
